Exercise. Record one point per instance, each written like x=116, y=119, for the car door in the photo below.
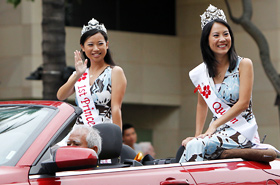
x=231, y=171
x=148, y=175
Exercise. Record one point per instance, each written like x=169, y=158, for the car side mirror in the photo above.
x=70, y=158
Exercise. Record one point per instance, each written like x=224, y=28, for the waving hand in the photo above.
x=80, y=66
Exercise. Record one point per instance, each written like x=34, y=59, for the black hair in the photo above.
x=126, y=126
x=208, y=55
x=108, y=58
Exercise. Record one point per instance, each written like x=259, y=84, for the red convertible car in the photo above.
x=30, y=131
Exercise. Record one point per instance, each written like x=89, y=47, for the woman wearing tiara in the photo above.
x=98, y=83
x=224, y=82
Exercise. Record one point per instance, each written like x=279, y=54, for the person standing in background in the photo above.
x=129, y=137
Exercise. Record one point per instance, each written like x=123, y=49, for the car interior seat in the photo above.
x=179, y=153
x=111, y=143
x=113, y=151
x=127, y=153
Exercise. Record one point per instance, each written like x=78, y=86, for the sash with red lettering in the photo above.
x=85, y=100
x=204, y=85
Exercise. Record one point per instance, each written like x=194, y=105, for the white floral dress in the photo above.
x=225, y=137
x=101, y=94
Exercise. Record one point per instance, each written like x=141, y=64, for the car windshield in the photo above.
x=17, y=126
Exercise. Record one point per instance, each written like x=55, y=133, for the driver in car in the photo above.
x=85, y=136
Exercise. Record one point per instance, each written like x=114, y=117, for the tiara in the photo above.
x=212, y=13
x=93, y=24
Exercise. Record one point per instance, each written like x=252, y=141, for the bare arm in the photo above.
x=118, y=90
x=246, y=74
x=201, y=114
x=67, y=89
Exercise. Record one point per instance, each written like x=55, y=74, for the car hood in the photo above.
x=11, y=174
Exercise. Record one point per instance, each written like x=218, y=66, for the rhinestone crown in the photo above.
x=93, y=24
x=211, y=14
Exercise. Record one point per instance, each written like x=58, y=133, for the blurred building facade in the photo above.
x=159, y=99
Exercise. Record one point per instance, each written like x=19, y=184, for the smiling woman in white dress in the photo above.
x=98, y=83
x=224, y=82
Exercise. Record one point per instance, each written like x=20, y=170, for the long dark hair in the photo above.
x=208, y=55
x=108, y=58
